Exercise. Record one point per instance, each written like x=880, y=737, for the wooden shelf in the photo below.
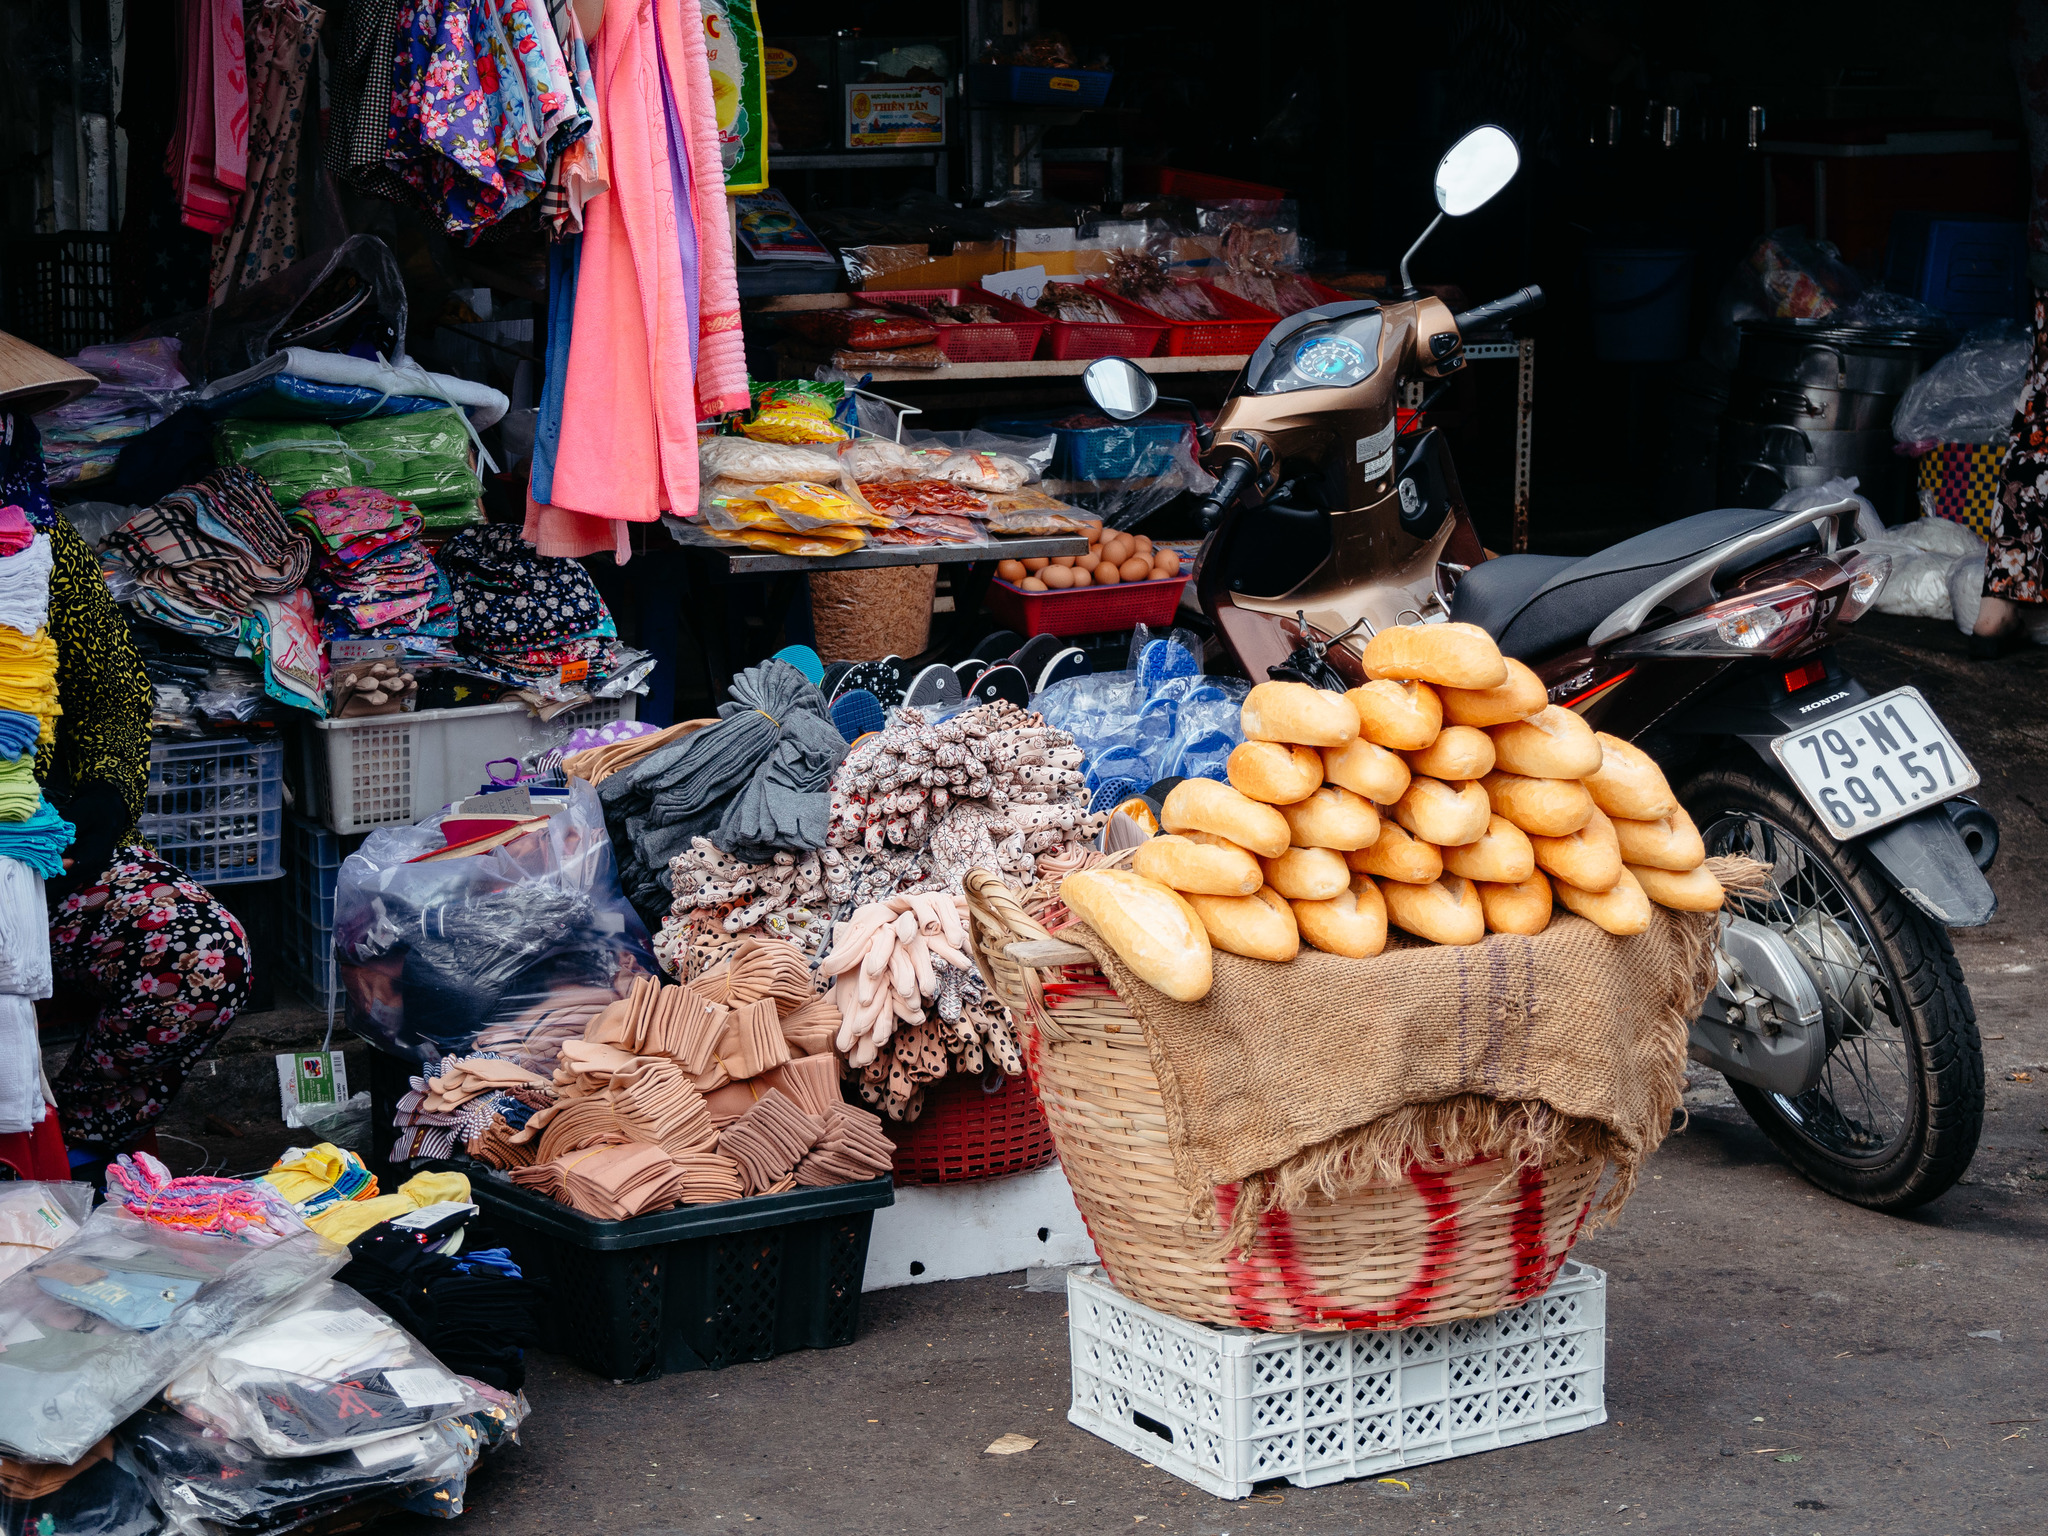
x=875, y=555
x=1047, y=368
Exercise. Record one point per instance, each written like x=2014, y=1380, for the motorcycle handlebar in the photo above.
x=1520, y=300
x=1228, y=484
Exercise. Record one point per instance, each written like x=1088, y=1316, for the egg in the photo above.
x=1107, y=575
x=1166, y=563
x=1095, y=533
x=1066, y=561
x=1037, y=565
x=1083, y=577
x=1057, y=576
x=1136, y=568
x=1087, y=562
x=1031, y=584
x=1010, y=570
x=1144, y=542
x=1119, y=547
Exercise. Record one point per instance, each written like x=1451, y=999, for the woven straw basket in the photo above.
x=1463, y=1243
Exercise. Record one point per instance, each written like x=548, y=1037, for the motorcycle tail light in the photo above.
x=1774, y=622
x=1867, y=575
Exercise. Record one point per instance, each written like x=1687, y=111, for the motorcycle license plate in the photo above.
x=1867, y=766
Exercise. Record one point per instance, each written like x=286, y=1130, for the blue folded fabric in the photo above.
x=38, y=842
x=287, y=397
x=18, y=733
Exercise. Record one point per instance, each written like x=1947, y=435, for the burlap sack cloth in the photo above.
x=1310, y=1080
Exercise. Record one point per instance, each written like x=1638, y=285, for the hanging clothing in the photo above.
x=209, y=156
x=650, y=353
x=264, y=237
x=360, y=50
x=563, y=257
x=577, y=173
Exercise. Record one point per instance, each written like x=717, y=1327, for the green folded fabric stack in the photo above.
x=294, y=457
x=423, y=458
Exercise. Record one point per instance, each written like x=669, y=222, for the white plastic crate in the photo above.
x=1226, y=1408
x=397, y=770
x=215, y=807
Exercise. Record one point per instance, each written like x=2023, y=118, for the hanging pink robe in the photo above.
x=628, y=449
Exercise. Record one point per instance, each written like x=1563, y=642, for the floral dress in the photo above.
x=463, y=132
x=2018, y=566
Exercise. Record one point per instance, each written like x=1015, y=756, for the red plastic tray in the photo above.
x=1014, y=340
x=1067, y=340
x=966, y=1133
x=1086, y=611
x=1245, y=329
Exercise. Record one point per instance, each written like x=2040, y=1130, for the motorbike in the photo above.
x=1840, y=1018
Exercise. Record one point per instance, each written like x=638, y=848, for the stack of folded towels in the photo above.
x=374, y=577
x=691, y=1094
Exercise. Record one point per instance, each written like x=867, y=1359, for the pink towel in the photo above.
x=721, y=354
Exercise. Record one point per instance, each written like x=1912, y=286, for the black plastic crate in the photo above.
x=693, y=1289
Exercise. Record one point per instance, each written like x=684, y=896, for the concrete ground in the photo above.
x=1778, y=1363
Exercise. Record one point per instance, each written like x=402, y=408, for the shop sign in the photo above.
x=879, y=116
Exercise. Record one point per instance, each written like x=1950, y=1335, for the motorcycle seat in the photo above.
x=1539, y=605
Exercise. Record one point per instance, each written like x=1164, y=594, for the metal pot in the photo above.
x=1775, y=442
x=1761, y=461
x=1809, y=407
x=1812, y=352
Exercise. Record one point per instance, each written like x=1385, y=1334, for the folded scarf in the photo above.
x=24, y=932
x=25, y=586
x=20, y=794
x=39, y=842
x=18, y=732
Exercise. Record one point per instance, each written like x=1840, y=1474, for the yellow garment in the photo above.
x=312, y=1173
x=345, y=1223
x=28, y=673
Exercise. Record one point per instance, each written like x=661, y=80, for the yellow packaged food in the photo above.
x=815, y=543
x=795, y=411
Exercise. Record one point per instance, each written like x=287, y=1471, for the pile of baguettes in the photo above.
x=1446, y=797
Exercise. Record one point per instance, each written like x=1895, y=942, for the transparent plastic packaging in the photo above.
x=109, y=1497
x=1868, y=524
x=329, y=1373
x=431, y=953
x=1969, y=396
x=1159, y=719
x=98, y=1327
x=37, y=1219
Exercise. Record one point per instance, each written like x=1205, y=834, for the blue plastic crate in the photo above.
x=1972, y=270
x=1033, y=86
x=312, y=868
x=1116, y=450
x=215, y=808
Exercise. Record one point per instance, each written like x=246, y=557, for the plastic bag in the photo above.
x=329, y=1373
x=1785, y=276
x=423, y=458
x=794, y=411
x=431, y=953
x=107, y=1497
x=203, y=1482
x=1868, y=524
x=1923, y=553
x=96, y=1328
x=1120, y=472
x=348, y=298
x=36, y=1219
x=294, y=458
x=1159, y=719
x=947, y=456
x=1969, y=396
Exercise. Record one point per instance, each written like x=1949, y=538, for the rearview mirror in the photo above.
x=1120, y=389
x=1474, y=169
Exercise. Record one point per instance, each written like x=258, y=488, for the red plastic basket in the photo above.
x=1067, y=340
x=966, y=1133
x=1087, y=610
x=1245, y=329
x=1013, y=340
x=1172, y=181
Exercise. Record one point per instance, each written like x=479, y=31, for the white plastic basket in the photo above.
x=1226, y=1408
x=397, y=770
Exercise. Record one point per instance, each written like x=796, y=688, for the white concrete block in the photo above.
x=991, y=1227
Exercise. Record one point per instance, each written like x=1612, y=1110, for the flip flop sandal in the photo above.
x=967, y=671
x=1072, y=662
x=877, y=677
x=894, y=680
x=1033, y=654
x=856, y=712
x=995, y=647
x=1161, y=660
x=828, y=683
x=1002, y=681
x=804, y=659
x=1111, y=793
x=936, y=687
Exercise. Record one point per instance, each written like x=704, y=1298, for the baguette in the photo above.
x=1260, y=926
x=1459, y=752
x=1203, y=805
x=1307, y=874
x=1297, y=713
x=1351, y=923
x=1540, y=807
x=1397, y=856
x=1273, y=772
x=1367, y=768
x=1332, y=817
x=1403, y=716
x=1521, y=696
x=1589, y=858
x=1553, y=743
x=1443, y=813
x=1622, y=909
x=1629, y=782
x=1523, y=908
x=1673, y=843
x=1213, y=869
x=1503, y=856
x=1696, y=890
x=1446, y=911
x=1448, y=655
x=1152, y=929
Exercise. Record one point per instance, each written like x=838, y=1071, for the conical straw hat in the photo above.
x=31, y=380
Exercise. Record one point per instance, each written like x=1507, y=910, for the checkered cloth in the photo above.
x=1959, y=481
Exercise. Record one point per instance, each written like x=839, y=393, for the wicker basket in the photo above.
x=967, y=1133
x=1466, y=1243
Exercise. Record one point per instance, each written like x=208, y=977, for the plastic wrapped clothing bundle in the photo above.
x=756, y=783
x=99, y=1326
x=1969, y=396
x=36, y=1219
x=326, y=1374
x=432, y=953
x=1161, y=719
x=110, y=1497
x=293, y=457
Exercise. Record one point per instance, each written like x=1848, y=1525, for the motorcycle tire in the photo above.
x=1939, y=1061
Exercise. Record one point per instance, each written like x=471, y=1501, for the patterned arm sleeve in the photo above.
x=106, y=699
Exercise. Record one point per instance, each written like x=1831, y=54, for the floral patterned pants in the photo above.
x=172, y=966
x=2018, y=566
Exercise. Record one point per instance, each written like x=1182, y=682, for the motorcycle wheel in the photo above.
x=1894, y=1120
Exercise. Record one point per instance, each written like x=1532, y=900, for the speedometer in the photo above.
x=1331, y=361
